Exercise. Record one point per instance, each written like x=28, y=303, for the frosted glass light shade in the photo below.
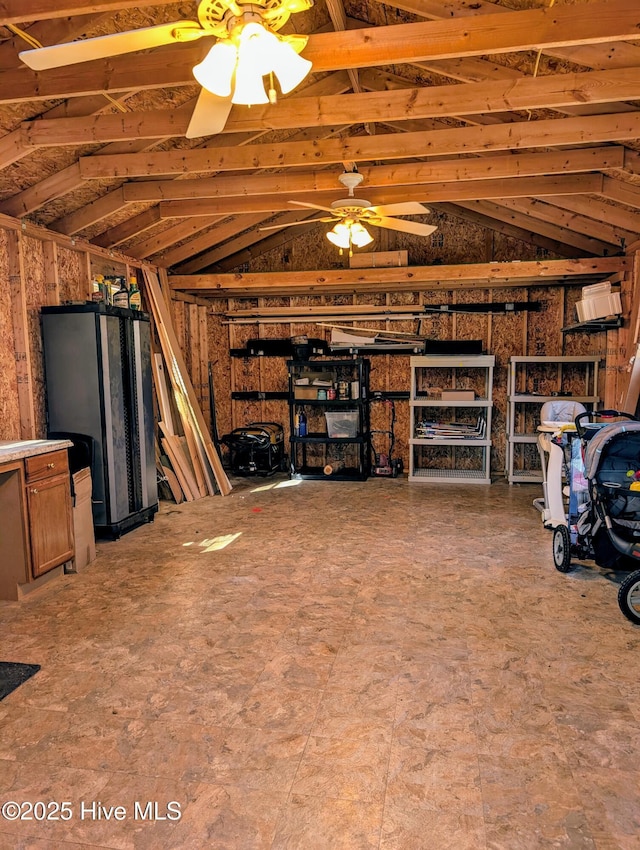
x=344, y=235
x=360, y=236
x=255, y=45
x=215, y=72
x=249, y=88
x=340, y=235
x=289, y=68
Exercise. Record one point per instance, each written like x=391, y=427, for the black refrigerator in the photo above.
x=97, y=362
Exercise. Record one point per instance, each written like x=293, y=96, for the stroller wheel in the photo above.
x=562, y=548
x=629, y=597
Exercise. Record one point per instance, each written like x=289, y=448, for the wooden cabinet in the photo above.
x=49, y=511
x=36, y=530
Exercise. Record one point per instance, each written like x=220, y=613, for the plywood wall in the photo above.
x=9, y=407
x=502, y=334
x=35, y=271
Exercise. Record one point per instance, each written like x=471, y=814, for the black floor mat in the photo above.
x=12, y=675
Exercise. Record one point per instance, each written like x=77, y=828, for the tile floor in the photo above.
x=362, y=665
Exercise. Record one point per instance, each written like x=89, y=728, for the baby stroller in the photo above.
x=555, y=434
x=603, y=520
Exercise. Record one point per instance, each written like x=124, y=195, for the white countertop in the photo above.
x=17, y=449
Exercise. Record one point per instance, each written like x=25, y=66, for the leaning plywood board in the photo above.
x=179, y=377
x=184, y=484
x=162, y=391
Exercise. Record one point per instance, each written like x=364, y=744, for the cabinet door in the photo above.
x=50, y=523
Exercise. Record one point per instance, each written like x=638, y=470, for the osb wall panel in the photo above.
x=9, y=408
x=36, y=296
x=508, y=339
x=544, y=335
x=502, y=334
x=72, y=270
x=218, y=345
x=245, y=373
x=274, y=375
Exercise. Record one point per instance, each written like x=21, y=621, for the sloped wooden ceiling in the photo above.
x=521, y=115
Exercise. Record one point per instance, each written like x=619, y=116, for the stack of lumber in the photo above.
x=189, y=462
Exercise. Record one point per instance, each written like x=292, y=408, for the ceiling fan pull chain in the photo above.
x=273, y=95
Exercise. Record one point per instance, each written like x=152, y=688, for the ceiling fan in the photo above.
x=247, y=50
x=350, y=215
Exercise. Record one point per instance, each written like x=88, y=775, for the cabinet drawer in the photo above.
x=44, y=466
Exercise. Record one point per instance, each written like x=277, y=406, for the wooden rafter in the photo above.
x=613, y=20
x=18, y=11
x=432, y=102
x=424, y=192
x=404, y=174
x=424, y=143
x=409, y=278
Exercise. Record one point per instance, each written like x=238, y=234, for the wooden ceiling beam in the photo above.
x=426, y=192
x=227, y=229
x=177, y=232
x=241, y=139
x=400, y=278
x=254, y=248
x=500, y=212
x=596, y=55
x=19, y=11
x=448, y=141
x=613, y=20
x=571, y=161
x=598, y=232
x=220, y=247
x=127, y=229
x=94, y=212
x=431, y=102
x=624, y=193
x=474, y=213
x=594, y=208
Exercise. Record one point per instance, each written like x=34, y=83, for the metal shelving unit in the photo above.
x=450, y=439
x=316, y=455
x=533, y=381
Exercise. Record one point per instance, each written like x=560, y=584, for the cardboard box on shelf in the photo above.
x=307, y=384
x=85, y=542
x=458, y=395
x=306, y=392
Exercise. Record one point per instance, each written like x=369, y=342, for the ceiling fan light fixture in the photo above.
x=215, y=72
x=346, y=234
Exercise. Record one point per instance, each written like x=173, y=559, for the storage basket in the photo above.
x=342, y=424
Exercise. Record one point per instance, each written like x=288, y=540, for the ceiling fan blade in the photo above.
x=313, y=206
x=400, y=224
x=43, y=58
x=406, y=208
x=293, y=223
x=209, y=115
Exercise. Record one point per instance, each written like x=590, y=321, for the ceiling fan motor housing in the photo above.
x=351, y=180
x=275, y=13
